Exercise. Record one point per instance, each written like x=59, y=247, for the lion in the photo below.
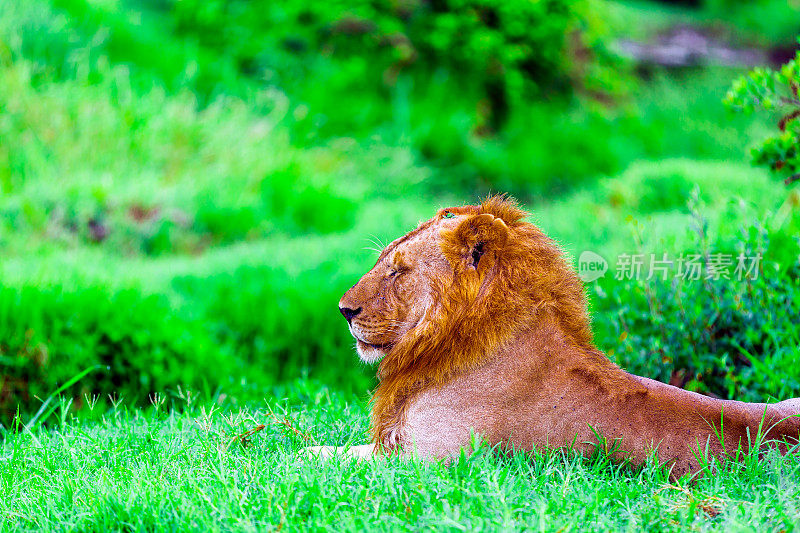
x=480, y=326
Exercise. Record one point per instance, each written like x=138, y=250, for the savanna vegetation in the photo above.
x=187, y=188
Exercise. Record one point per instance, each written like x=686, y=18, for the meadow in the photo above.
x=185, y=466
x=188, y=188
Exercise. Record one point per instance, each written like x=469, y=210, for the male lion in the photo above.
x=480, y=325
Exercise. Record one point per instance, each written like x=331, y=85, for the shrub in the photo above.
x=767, y=89
x=69, y=38
x=133, y=343
x=280, y=325
x=747, y=17
x=724, y=337
x=507, y=50
x=239, y=324
x=151, y=173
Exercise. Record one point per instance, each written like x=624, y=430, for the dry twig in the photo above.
x=285, y=422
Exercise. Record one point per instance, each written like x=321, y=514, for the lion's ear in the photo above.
x=477, y=241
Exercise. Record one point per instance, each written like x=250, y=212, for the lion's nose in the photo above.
x=349, y=313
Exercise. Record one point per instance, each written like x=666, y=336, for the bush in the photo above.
x=236, y=323
x=507, y=50
x=69, y=38
x=776, y=91
x=133, y=343
x=280, y=325
x=526, y=162
x=748, y=19
x=729, y=338
x=151, y=173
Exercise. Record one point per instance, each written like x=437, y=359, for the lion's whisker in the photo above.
x=374, y=239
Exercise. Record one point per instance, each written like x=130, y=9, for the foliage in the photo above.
x=536, y=154
x=427, y=118
x=150, y=173
x=237, y=328
x=220, y=169
x=278, y=324
x=747, y=19
x=186, y=189
x=745, y=16
x=67, y=39
x=772, y=90
x=722, y=334
x=506, y=51
x=132, y=343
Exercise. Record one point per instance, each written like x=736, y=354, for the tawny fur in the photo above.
x=482, y=327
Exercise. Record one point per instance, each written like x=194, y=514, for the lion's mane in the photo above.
x=475, y=311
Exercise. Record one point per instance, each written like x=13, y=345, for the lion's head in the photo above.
x=400, y=292
x=443, y=296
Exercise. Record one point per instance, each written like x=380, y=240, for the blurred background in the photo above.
x=187, y=187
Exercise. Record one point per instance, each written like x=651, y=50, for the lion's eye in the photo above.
x=396, y=271
x=448, y=214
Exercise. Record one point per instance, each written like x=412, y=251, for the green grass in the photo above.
x=184, y=469
x=237, y=211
